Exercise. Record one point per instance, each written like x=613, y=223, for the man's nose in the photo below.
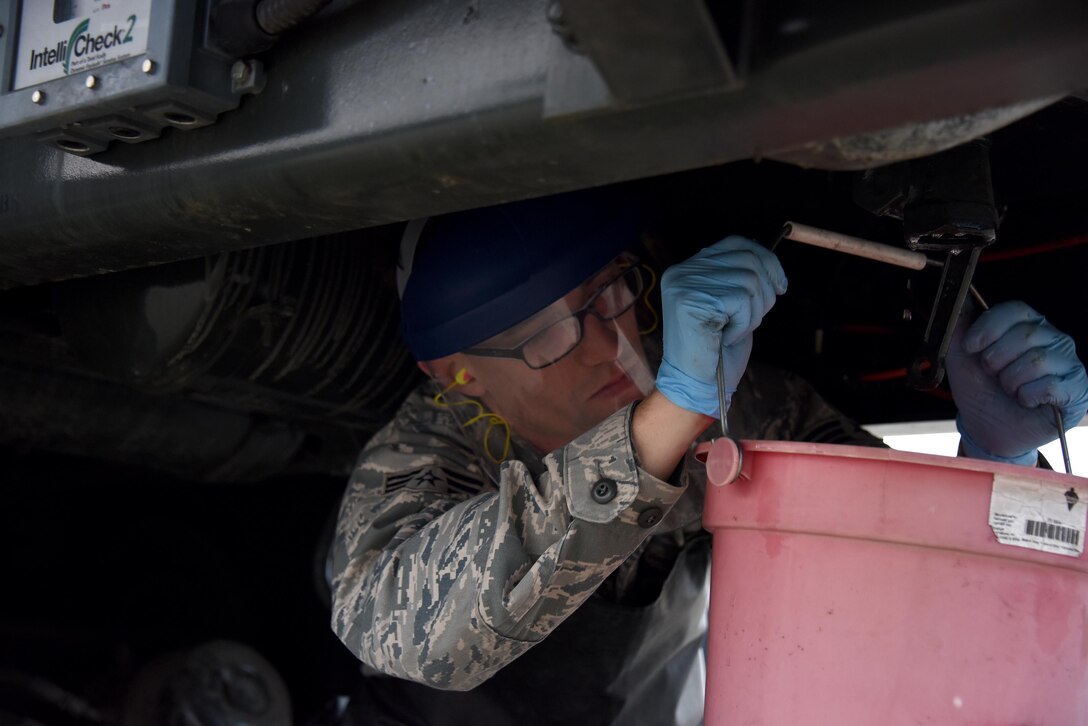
x=599, y=341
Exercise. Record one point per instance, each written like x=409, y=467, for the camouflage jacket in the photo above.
x=443, y=577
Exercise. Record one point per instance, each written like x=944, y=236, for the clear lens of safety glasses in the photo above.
x=615, y=298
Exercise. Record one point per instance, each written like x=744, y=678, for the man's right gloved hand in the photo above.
x=711, y=303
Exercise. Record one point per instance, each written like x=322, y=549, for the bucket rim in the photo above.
x=875, y=453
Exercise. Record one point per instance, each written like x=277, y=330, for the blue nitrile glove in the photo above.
x=1005, y=370
x=713, y=301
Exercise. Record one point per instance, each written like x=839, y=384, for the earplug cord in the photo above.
x=482, y=414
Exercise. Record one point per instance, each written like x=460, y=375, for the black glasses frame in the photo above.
x=633, y=275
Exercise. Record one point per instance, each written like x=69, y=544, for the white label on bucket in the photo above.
x=1025, y=512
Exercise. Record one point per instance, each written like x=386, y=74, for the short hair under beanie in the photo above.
x=467, y=276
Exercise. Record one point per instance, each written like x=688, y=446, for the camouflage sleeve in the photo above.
x=443, y=578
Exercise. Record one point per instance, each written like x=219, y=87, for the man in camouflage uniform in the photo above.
x=569, y=585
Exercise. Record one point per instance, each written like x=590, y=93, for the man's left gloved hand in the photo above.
x=1005, y=370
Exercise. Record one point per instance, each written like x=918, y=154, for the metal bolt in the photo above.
x=91, y=82
x=37, y=97
x=239, y=72
x=148, y=66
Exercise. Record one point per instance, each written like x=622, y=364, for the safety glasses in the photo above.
x=551, y=343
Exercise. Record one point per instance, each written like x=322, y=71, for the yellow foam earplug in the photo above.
x=493, y=420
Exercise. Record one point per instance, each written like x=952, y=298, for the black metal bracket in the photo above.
x=946, y=202
x=927, y=369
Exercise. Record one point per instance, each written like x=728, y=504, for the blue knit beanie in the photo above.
x=467, y=276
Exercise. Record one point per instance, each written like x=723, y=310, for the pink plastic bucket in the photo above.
x=862, y=587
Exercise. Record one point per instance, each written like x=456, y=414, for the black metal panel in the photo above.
x=648, y=50
x=388, y=111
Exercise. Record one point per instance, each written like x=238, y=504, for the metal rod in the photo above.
x=863, y=248
x=978, y=298
x=1061, y=437
x=854, y=246
x=721, y=398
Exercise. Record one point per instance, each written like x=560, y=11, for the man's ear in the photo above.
x=453, y=371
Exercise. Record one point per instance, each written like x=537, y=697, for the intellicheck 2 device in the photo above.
x=80, y=74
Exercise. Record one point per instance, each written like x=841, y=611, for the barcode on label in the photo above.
x=1054, y=532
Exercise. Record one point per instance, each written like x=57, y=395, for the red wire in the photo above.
x=1061, y=244
x=878, y=376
